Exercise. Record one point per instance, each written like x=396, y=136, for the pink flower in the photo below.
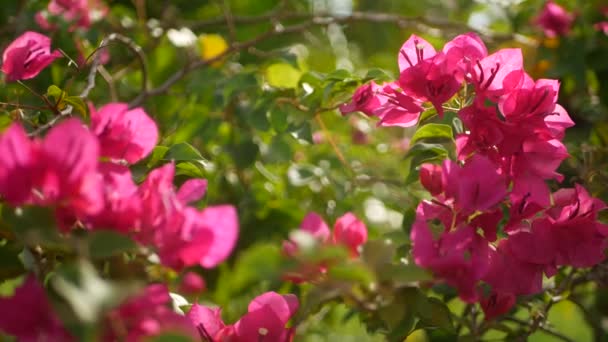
x=554, y=20
x=509, y=274
x=601, y=26
x=489, y=74
x=459, y=257
x=27, y=55
x=124, y=134
x=122, y=207
x=430, y=177
x=184, y=236
x=80, y=13
x=496, y=304
x=60, y=170
x=365, y=100
x=145, y=316
x=192, y=283
x=426, y=74
x=476, y=186
x=464, y=52
x=28, y=315
x=265, y=320
x=348, y=231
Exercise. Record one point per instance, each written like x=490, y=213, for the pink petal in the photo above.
x=192, y=190
x=223, y=222
x=351, y=232
x=314, y=224
x=414, y=50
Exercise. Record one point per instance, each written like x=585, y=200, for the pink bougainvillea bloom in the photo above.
x=28, y=315
x=80, y=13
x=554, y=20
x=426, y=74
x=397, y=109
x=509, y=274
x=430, y=80
x=314, y=224
x=58, y=171
x=184, y=236
x=602, y=26
x=488, y=75
x=122, y=206
x=192, y=190
x=124, y=134
x=430, y=177
x=192, y=283
x=266, y=318
x=147, y=315
x=459, y=257
x=365, y=100
x=222, y=221
x=209, y=323
x=66, y=169
x=414, y=51
x=496, y=304
x=578, y=237
x=27, y=56
x=16, y=165
x=476, y=186
x=558, y=121
x=463, y=52
x=351, y=232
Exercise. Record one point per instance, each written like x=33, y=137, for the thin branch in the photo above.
x=541, y=328
x=132, y=46
x=229, y=19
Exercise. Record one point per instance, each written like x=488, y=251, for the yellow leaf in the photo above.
x=283, y=75
x=211, y=46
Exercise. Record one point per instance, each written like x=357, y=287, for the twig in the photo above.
x=132, y=46
x=229, y=18
x=541, y=328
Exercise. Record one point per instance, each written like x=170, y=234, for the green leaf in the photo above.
x=244, y=153
x=56, y=93
x=283, y=75
x=351, y=272
x=105, y=243
x=279, y=150
x=303, y=132
x=338, y=75
x=157, y=155
x=401, y=274
x=434, y=313
x=377, y=75
x=433, y=131
x=278, y=120
x=77, y=103
x=183, y=152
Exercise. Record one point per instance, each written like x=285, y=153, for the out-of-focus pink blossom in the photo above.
x=29, y=316
x=27, y=56
x=192, y=283
x=58, y=171
x=554, y=20
x=147, y=315
x=79, y=13
x=124, y=134
x=265, y=320
x=496, y=304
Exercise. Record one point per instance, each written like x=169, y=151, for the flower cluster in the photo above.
x=349, y=232
x=78, y=13
x=149, y=314
x=510, y=147
x=83, y=175
x=265, y=320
